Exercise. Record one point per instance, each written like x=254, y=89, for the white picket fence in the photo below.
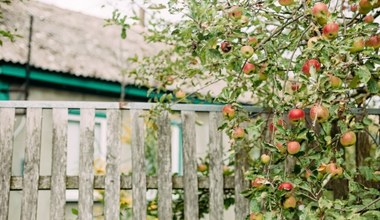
x=31, y=182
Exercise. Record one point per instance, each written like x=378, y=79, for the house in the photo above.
x=70, y=57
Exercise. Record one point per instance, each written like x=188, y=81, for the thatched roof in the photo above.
x=70, y=42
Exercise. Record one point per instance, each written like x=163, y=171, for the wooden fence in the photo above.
x=31, y=181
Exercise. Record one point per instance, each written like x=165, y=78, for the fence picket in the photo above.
x=59, y=161
x=190, y=166
x=216, y=167
x=86, y=162
x=241, y=203
x=138, y=167
x=164, y=168
x=31, y=164
x=112, y=181
x=7, y=118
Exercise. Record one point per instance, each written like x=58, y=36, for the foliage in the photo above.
x=301, y=60
x=4, y=33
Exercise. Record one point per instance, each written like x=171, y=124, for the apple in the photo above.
x=202, y=167
x=238, y=133
x=330, y=30
x=280, y=147
x=308, y=173
x=246, y=51
x=322, y=168
x=265, y=158
x=357, y=45
x=235, y=12
x=295, y=86
x=296, y=115
x=258, y=182
x=226, y=170
x=368, y=19
x=225, y=46
x=320, y=11
x=256, y=216
x=310, y=63
x=354, y=7
x=348, y=139
x=244, y=20
x=228, y=111
x=263, y=76
x=335, y=82
x=365, y=6
x=373, y=41
x=180, y=94
x=252, y=41
x=332, y=169
x=290, y=202
x=169, y=80
x=286, y=2
x=248, y=68
x=293, y=147
x=285, y=186
x=273, y=127
x=319, y=113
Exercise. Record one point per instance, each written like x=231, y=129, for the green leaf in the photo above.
x=373, y=86
x=363, y=73
x=74, y=211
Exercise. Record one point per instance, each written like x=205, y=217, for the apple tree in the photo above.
x=312, y=66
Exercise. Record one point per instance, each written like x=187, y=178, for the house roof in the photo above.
x=71, y=42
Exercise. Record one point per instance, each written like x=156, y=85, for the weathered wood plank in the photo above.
x=216, y=167
x=32, y=164
x=138, y=167
x=241, y=165
x=112, y=180
x=164, y=168
x=86, y=163
x=59, y=161
x=7, y=118
x=190, y=166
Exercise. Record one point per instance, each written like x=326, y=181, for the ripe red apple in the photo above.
x=321, y=12
x=180, y=94
x=332, y=169
x=246, y=51
x=354, y=8
x=235, y=12
x=290, y=202
x=265, y=158
x=293, y=147
x=238, y=133
x=256, y=216
x=357, y=45
x=228, y=111
x=252, y=41
x=365, y=6
x=296, y=115
x=258, y=182
x=335, y=82
x=286, y=2
x=295, y=86
x=285, y=186
x=319, y=113
x=348, y=139
x=373, y=41
x=368, y=19
x=202, y=167
x=225, y=46
x=310, y=63
x=330, y=30
x=248, y=68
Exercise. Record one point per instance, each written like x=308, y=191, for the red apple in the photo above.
x=290, y=202
x=235, y=12
x=354, y=8
x=295, y=86
x=238, y=133
x=293, y=147
x=357, y=45
x=365, y=6
x=258, y=182
x=225, y=46
x=310, y=63
x=248, y=68
x=252, y=41
x=368, y=19
x=373, y=41
x=202, y=167
x=330, y=30
x=321, y=12
x=348, y=139
x=265, y=158
x=319, y=113
x=335, y=82
x=296, y=115
x=256, y=216
x=285, y=186
x=286, y=2
x=246, y=51
x=180, y=94
x=228, y=111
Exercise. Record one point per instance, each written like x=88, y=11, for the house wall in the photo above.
x=39, y=93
